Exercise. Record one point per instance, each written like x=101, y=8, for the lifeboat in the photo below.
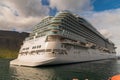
x=116, y=77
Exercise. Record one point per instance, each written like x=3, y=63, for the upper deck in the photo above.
x=70, y=26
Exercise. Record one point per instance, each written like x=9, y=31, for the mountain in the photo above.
x=10, y=41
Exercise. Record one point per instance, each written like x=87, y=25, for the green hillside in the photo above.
x=8, y=53
x=10, y=42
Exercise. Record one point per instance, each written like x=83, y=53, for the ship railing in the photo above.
x=104, y=49
x=26, y=52
x=91, y=45
x=55, y=21
x=75, y=43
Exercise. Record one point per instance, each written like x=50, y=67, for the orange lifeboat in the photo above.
x=116, y=77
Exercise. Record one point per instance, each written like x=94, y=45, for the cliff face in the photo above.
x=11, y=40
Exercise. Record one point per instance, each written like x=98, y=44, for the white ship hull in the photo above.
x=36, y=60
x=54, y=57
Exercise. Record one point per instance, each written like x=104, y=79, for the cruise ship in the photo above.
x=61, y=39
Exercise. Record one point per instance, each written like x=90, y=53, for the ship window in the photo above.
x=39, y=46
x=25, y=48
x=33, y=47
x=41, y=50
x=55, y=32
x=62, y=46
x=52, y=38
x=48, y=50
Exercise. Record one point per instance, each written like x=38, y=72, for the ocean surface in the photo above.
x=96, y=70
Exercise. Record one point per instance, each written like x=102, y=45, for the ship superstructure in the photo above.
x=64, y=38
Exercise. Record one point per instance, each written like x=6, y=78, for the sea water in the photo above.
x=95, y=70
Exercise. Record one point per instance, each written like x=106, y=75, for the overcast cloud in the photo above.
x=108, y=23
x=71, y=5
x=21, y=15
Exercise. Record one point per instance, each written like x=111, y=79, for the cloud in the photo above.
x=106, y=33
x=71, y=5
x=29, y=7
x=108, y=23
x=21, y=15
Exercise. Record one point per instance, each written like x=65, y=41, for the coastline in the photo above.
x=8, y=53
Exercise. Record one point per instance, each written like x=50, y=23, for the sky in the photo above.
x=22, y=15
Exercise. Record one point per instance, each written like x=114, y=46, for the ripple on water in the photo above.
x=97, y=70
